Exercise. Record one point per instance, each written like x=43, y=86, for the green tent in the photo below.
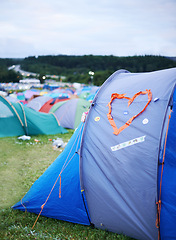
x=69, y=112
x=84, y=95
x=17, y=119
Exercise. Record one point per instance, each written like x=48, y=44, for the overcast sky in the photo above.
x=81, y=27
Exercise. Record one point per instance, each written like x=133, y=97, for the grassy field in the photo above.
x=21, y=164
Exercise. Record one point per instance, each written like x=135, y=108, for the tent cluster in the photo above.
x=17, y=119
x=57, y=92
x=34, y=112
x=68, y=110
x=118, y=171
x=46, y=102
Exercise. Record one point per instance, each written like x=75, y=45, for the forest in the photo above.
x=77, y=68
x=9, y=75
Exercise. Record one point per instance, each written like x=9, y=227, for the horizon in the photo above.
x=52, y=55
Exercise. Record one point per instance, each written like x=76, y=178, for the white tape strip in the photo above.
x=128, y=143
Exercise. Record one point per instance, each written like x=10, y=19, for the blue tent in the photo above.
x=63, y=175
x=168, y=187
x=126, y=155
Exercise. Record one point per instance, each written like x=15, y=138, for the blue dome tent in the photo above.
x=125, y=169
x=66, y=186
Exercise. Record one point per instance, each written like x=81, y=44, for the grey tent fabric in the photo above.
x=119, y=172
x=38, y=102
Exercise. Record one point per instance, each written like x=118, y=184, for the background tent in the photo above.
x=69, y=112
x=84, y=95
x=90, y=97
x=46, y=102
x=51, y=102
x=30, y=93
x=86, y=91
x=38, y=102
x=50, y=87
x=20, y=96
x=12, y=99
x=16, y=119
x=122, y=143
x=69, y=91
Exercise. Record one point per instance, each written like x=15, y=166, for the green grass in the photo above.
x=21, y=164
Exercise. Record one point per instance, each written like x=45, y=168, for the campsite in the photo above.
x=88, y=120
x=83, y=161
x=24, y=159
x=21, y=164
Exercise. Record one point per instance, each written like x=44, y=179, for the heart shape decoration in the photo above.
x=130, y=101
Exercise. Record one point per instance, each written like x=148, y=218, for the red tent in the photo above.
x=49, y=104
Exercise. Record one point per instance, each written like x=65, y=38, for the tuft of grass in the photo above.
x=18, y=225
x=21, y=164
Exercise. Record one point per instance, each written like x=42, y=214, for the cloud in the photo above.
x=11, y=47
x=89, y=27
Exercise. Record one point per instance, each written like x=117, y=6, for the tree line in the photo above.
x=77, y=68
x=9, y=75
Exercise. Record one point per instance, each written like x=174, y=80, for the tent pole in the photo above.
x=25, y=120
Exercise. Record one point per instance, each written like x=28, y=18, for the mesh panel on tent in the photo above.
x=5, y=111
